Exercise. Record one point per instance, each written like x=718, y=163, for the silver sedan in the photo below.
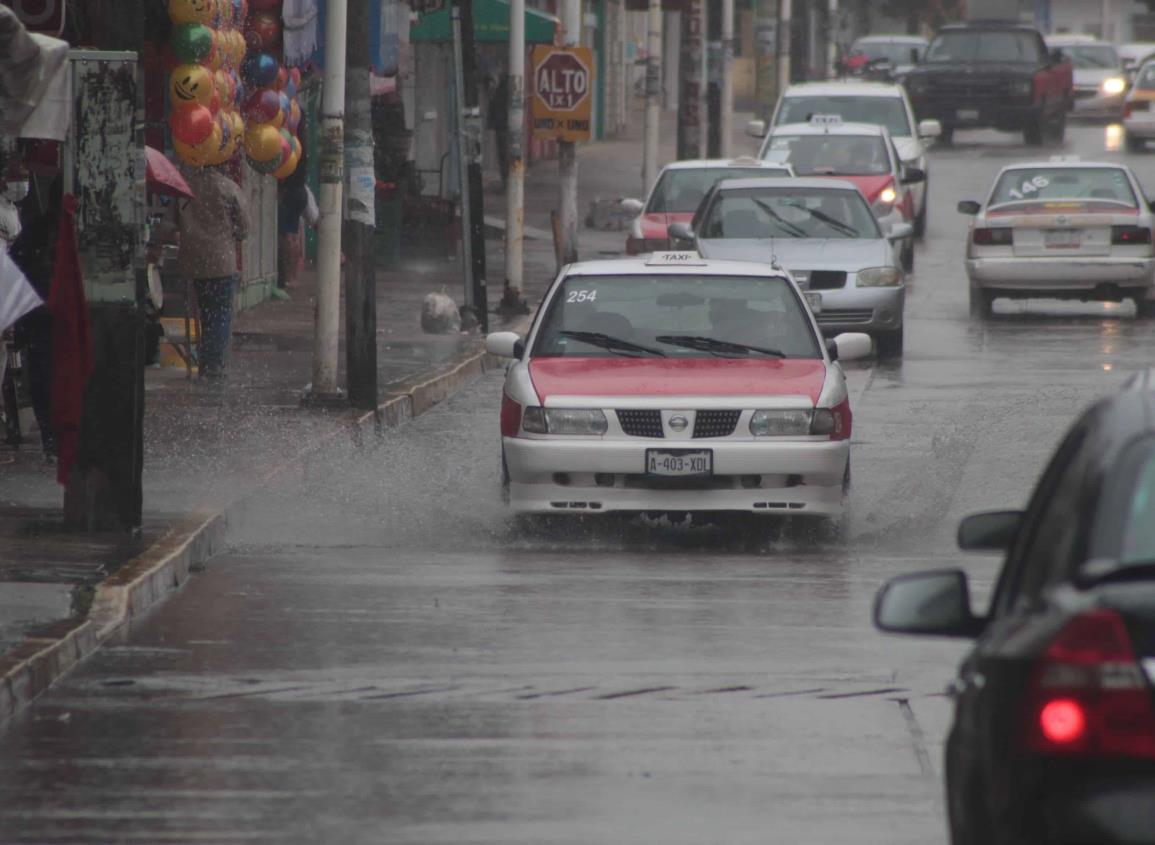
x=824, y=233
x=1062, y=229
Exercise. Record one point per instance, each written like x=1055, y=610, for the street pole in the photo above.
x=513, y=299
x=360, y=221
x=785, y=36
x=653, y=92
x=766, y=52
x=691, y=138
x=460, y=142
x=567, y=150
x=332, y=167
x=726, y=118
x=832, y=40
x=469, y=126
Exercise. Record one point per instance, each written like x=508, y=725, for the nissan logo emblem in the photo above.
x=678, y=423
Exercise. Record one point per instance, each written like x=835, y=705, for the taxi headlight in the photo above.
x=888, y=195
x=575, y=421
x=1114, y=86
x=781, y=423
x=879, y=277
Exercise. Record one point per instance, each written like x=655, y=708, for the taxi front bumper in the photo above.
x=801, y=477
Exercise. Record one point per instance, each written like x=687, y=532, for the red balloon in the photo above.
x=265, y=29
x=295, y=75
x=265, y=5
x=215, y=102
x=192, y=125
x=262, y=106
x=282, y=78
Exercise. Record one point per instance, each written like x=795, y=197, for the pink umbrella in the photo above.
x=162, y=176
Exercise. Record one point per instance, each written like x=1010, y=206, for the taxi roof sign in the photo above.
x=826, y=119
x=675, y=259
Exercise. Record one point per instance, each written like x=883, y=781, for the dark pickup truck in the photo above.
x=993, y=75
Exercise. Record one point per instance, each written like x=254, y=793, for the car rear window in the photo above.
x=762, y=311
x=1124, y=529
x=895, y=52
x=983, y=46
x=1092, y=56
x=1031, y=184
x=759, y=213
x=829, y=155
x=679, y=191
x=881, y=111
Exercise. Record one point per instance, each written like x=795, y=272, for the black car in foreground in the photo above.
x=1053, y=739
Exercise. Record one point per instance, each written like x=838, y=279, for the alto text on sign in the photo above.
x=562, y=93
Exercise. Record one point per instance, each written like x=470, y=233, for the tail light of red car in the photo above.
x=1001, y=236
x=1088, y=694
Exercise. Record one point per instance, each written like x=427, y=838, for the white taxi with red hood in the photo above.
x=860, y=153
x=673, y=384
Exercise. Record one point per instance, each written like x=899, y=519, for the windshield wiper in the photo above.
x=778, y=218
x=613, y=344
x=1104, y=571
x=715, y=346
x=833, y=223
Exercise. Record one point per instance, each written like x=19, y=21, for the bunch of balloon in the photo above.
x=271, y=109
x=205, y=87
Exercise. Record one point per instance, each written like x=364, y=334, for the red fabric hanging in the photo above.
x=71, y=341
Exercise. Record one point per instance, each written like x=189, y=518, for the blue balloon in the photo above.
x=286, y=104
x=291, y=88
x=259, y=69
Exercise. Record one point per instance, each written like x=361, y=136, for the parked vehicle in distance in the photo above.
x=993, y=75
x=673, y=383
x=1053, y=735
x=863, y=154
x=678, y=191
x=1099, y=78
x=863, y=102
x=823, y=232
x=1139, y=110
x=1062, y=228
x=892, y=56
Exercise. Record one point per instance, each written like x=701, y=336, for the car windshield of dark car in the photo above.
x=881, y=111
x=1092, y=56
x=896, y=53
x=759, y=311
x=760, y=213
x=1033, y=184
x=983, y=46
x=830, y=155
x=1124, y=523
x=680, y=190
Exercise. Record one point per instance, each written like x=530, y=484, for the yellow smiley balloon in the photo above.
x=191, y=11
x=191, y=85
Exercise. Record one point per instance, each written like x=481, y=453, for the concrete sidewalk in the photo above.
x=209, y=448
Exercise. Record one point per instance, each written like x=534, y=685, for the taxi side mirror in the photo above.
x=850, y=346
x=680, y=232
x=969, y=207
x=632, y=206
x=505, y=344
x=756, y=129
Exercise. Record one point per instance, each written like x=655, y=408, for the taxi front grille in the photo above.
x=827, y=279
x=641, y=423
x=843, y=316
x=715, y=423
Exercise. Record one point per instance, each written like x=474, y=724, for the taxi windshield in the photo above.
x=789, y=213
x=1026, y=184
x=830, y=154
x=881, y=111
x=676, y=316
x=680, y=190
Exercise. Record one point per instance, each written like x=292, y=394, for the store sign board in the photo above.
x=44, y=16
x=562, y=93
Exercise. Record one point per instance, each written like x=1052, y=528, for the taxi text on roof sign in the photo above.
x=826, y=119
x=675, y=259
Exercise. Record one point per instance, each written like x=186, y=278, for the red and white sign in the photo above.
x=44, y=16
x=562, y=95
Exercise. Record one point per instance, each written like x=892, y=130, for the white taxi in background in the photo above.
x=676, y=384
x=1062, y=229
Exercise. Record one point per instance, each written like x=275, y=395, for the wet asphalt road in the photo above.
x=382, y=659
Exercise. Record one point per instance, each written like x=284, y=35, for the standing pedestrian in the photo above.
x=212, y=225
x=295, y=201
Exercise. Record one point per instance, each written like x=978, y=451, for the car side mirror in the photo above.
x=989, y=532
x=936, y=603
x=913, y=175
x=1057, y=57
x=850, y=346
x=756, y=129
x=900, y=232
x=632, y=206
x=680, y=232
x=929, y=128
x=969, y=207
x=505, y=345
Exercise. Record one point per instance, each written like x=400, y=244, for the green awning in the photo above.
x=490, y=23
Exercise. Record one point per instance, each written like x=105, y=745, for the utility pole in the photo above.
x=691, y=135
x=361, y=276
x=513, y=300
x=567, y=150
x=713, y=144
x=653, y=93
x=832, y=40
x=469, y=126
x=766, y=52
x=726, y=120
x=332, y=167
x=785, y=46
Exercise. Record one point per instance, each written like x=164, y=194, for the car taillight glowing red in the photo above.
x=1127, y=235
x=510, y=416
x=993, y=237
x=1088, y=694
